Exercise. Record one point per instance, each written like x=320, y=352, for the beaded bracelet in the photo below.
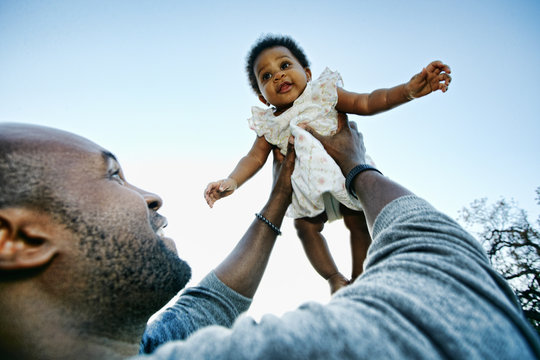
x=272, y=226
x=353, y=173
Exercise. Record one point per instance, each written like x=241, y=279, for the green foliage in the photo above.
x=512, y=245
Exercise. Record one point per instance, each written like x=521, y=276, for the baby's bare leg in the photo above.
x=309, y=231
x=355, y=221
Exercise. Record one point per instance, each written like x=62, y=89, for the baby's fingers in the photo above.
x=444, y=82
x=210, y=200
x=210, y=188
x=438, y=67
x=207, y=190
x=443, y=68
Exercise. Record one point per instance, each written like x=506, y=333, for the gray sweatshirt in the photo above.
x=427, y=292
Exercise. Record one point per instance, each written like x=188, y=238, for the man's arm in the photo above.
x=427, y=289
x=226, y=292
x=373, y=190
x=243, y=269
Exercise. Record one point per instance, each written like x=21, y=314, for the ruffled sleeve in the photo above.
x=257, y=121
x=318, y=102
x=315, y=106
x=275, y=129
x=324, y=89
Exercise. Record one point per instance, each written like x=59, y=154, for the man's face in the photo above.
x=116, y=257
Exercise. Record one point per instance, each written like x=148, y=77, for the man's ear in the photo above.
x=263, y=100
x=308, y=73
x=26, y=239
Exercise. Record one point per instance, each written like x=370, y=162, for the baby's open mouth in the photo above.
x=284, y=87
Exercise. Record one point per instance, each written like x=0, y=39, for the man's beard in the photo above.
x=178, y=269
x=132, y=273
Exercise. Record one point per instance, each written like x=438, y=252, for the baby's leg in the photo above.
x=309, y=231
x=355, y=221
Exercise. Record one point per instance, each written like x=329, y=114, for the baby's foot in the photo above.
x=336, y=282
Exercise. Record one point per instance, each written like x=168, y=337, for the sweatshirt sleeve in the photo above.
x=209, y=303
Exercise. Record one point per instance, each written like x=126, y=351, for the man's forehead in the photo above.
x=34, y=137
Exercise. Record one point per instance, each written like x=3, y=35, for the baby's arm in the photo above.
x=432, y=78
x=245, y=169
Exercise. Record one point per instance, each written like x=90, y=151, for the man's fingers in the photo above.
x=310, y=130
x=341, y=121
x=290, y=151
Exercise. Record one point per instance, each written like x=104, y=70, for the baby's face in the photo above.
x=280, y=76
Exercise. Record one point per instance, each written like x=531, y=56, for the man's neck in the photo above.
x=70, y=346
x=44, y=332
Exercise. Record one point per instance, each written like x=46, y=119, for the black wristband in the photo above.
x=272, y=226
x=353, y=173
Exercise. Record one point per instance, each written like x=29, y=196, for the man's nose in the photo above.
x=153, y=201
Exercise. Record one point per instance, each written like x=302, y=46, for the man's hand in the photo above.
x=433, y=77
x=283, y=171
x=346, y=146
x=219, y=189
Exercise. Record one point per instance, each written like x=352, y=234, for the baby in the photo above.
x=279, y=73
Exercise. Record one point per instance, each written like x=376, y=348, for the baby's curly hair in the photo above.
x=270, y=41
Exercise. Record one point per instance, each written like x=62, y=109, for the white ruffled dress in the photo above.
x=317, y=181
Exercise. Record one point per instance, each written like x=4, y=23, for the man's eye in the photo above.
x=116, y=177
x=266, y=76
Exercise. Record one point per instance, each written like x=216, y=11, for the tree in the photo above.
x=512, y=245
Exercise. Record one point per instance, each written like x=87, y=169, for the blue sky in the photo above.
x=162, y=85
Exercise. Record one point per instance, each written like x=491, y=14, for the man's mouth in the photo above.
x=160, y=232
x=159, y=225
x=284, y=87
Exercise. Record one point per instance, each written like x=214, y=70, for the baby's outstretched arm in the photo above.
x=433, y=77
x=244, y=170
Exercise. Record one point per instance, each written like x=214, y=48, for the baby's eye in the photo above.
x=266, y=76
x=285, y=65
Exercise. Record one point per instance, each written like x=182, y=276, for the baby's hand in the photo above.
x=219, y=189
x=433, y=77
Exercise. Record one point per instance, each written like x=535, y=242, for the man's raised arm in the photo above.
x=244, y=267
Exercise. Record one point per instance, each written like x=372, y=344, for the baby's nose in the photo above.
x=279, y=75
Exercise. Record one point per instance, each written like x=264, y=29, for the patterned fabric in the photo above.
x=315, y=172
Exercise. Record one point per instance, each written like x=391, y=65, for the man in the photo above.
x=83, y=260
x=427, y=290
